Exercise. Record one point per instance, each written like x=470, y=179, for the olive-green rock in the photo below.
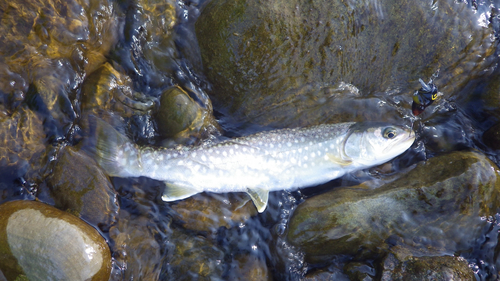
x=179, y=116
x=135, y=247
x=208, y=212
x=438, y=268
x=259, y=54
x=79, y=186
x=194, y=258
x=40, y=242
x=438, y=204
x=248, y=267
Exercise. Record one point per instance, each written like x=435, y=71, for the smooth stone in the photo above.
x=259, y=55
x=359, y=271
x=439, y=204
x=110, y=89
x=180, y=117
x=192, y=257
x=40, y=242
x=249, y=267
x=438, y=268
x=208, y=212
x=79, y=186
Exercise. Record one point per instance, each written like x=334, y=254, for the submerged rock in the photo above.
x=208, y=212
x=194, y=258
x=426, y=268
x=180, y=117
x=258, y=54
x=439, y=204
x=78, y=186
x=47, y=48
x=40, y=242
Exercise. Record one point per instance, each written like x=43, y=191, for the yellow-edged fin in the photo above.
x=338, y=160
x=259, y=197
x=175, y=192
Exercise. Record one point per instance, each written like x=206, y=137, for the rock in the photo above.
x=208, y=212
x=110, y=90
x=248, y=267
x=79, y=186
x=359, y=271
x=22, y=147
x=441, y=268
x=194, y=258
x=260, y=54
x=135, y=249
x=39, y=242
x=323, y=275
x=437, y=205
x=180, y=117
x=48, y=47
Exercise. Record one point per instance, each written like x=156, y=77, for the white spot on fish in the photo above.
x=289, y=144
x=181, y=162
x=305, y=158
x=305, y=165
x=271, y=145
x=293, y=160
x=203, y=158
x=231, y=151
x=302, y=139
x=194, y=154
x=300, y=150
x=244, y=149
x=210, y=150
x=236, y=146
x=224, y=154
x=313, y=154
x=326, y=157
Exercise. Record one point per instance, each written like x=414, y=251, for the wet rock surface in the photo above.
x=438, y=204
x=40, y=242
x=259, y=54
x=205, y=212
x=426, y=268
x=78, y=186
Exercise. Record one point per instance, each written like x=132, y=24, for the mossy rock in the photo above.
x=438, y=205
x=259, y=54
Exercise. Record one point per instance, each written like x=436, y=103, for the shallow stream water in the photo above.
x=154, y=46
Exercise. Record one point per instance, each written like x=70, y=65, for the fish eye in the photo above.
x=389, y=133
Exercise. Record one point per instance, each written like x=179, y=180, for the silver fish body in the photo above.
x=274, y=160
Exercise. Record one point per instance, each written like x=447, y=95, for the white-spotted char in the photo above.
x=274, y=160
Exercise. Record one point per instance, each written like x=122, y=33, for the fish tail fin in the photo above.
x=110, y=148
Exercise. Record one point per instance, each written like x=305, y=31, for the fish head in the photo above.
x=370, y=144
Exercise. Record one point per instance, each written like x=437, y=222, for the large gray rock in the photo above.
x=437, y=205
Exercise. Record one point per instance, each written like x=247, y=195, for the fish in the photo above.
x=283, y=159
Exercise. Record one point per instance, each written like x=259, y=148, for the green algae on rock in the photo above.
x=255, y=53
x=40, y=242
x=439, y=204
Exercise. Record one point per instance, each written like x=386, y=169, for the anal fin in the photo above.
x=259, y=197
x=174, y=192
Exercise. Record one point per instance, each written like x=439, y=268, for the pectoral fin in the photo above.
x=259, y=197
x=338, y=160
x=174, y=192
